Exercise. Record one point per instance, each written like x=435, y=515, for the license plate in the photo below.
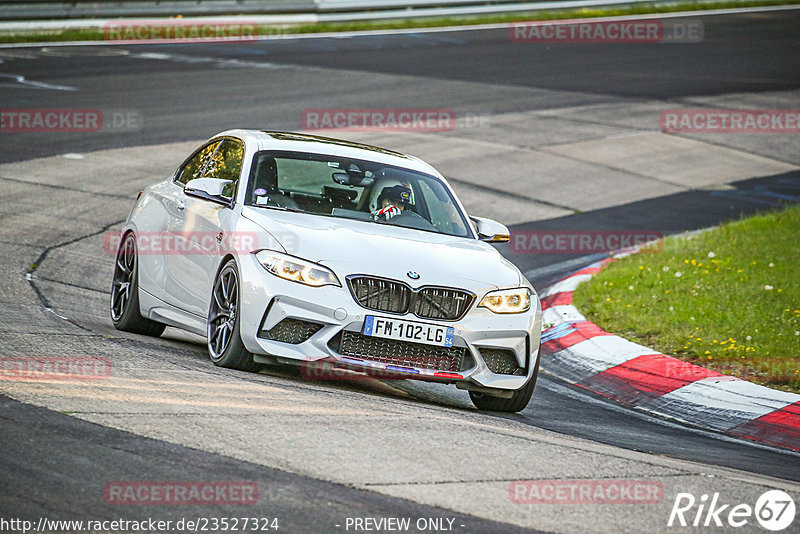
x=402, y=330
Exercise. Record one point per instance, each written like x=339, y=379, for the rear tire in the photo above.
x=225, y=347
x=125, y=313
x=518, y=401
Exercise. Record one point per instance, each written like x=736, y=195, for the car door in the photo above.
x=160, y=210
x=198, y=228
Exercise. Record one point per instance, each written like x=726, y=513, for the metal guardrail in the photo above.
x=48, y=9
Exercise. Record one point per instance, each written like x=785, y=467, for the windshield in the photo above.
x=353, y=189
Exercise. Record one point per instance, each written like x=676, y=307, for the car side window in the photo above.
x=194, y=167
x=226, y=164
x=443, y=212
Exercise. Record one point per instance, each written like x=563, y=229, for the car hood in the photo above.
x=358, y=247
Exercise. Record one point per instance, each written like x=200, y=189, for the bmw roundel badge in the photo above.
x=413, y=275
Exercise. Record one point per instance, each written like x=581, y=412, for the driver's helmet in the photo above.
x=398, y=194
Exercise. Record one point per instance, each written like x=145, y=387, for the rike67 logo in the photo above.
x=774, y=510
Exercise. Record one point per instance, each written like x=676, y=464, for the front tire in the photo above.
x=225, y=346
x=125, y=313
x=518, y=401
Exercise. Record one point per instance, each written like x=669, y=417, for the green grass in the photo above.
x=727, y=299
x=97, y=34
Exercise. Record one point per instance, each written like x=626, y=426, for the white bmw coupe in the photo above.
x=290, y=248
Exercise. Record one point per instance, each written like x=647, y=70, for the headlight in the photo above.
x=296, y=269
x=508, y=300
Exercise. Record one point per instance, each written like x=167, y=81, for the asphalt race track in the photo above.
x=548, y=137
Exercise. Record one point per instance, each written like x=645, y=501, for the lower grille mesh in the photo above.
x=292, y=331
x=404, y=353
x=501, y=361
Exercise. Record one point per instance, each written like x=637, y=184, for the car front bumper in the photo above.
x=268, y=301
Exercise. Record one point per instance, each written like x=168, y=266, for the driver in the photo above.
x=392, y=201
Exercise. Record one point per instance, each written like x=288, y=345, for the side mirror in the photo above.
x=208, y=189
x=491, y=231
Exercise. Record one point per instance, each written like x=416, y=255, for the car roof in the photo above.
x=301, y=142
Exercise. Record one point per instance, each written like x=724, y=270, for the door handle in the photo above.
x=181, y=205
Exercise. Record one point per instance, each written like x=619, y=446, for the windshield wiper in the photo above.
x=280, y=208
